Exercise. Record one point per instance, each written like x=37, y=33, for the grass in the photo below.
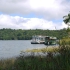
x=49, y=62
x=6, y=64
x=47, y=49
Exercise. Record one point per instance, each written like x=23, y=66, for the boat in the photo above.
x=50, y=40
x=38, y=39
x=47, y=40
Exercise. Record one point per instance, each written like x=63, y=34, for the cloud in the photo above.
x=14, y=6
x=49, y=9
x=16, y=22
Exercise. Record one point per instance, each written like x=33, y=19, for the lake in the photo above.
x=12, y=48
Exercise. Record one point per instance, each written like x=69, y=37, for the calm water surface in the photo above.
x=11, y=48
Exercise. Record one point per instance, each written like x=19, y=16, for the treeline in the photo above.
x=12, y=34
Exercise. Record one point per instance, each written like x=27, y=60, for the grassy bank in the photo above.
x=49, y=62
x=47, y=49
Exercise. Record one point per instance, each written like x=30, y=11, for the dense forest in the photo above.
x=12, y=34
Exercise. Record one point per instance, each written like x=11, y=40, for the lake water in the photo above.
x=12, y=48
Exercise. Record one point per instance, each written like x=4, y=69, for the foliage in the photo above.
x=50, y=62
x=12, y=34
x=47, y=49
x=65, y=41
x=67, y=19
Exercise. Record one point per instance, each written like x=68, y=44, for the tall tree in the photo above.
x=66, y=20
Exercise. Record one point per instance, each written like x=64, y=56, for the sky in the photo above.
x=33, y=14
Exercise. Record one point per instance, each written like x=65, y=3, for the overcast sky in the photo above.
x=33, y=14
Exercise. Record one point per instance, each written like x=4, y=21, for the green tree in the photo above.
x=66, y=20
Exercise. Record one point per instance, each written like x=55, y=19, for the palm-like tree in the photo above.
x=67, y=19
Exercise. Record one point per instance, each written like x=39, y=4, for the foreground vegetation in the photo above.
x=47, y=49
x=32, y=62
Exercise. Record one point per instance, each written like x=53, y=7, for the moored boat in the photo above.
x=50, y=40
x=38, y=39
x=47, y=40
